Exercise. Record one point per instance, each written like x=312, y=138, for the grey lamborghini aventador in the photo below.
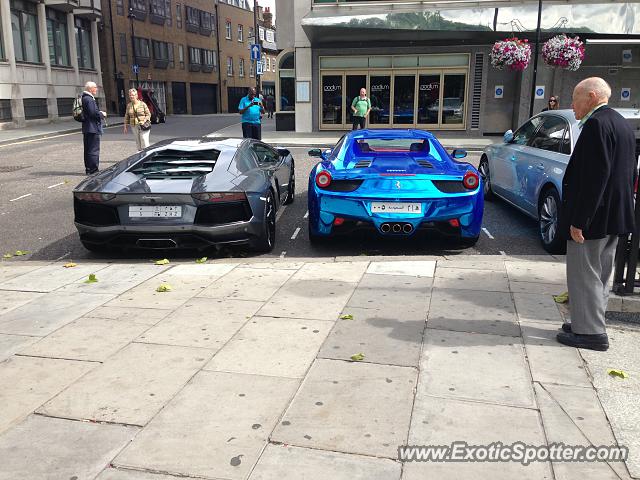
x=187, y=193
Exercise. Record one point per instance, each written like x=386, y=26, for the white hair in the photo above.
x=89, y=85
x=597, y=85
x=134, y=90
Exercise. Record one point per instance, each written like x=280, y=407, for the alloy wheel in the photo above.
x=549, y=219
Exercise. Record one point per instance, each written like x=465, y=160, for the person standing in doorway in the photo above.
x=597, y=206
x=251, y=109
x=91, y=128
x=270, y=104
x=553, y=104
x=139, y=117
x=361, y=106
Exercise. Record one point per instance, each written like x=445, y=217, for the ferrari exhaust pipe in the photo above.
x=397, y=228
x=408, y=228
x=385, y=227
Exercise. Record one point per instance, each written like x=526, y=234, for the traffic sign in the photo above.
x=256, y=52
x=259, y=68
x=135, y=68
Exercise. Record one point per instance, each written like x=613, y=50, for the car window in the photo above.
x=245, y=160
x=550, y=136
x=566, y=142
x=338, y=146
x=265, y=154
x=525, y=133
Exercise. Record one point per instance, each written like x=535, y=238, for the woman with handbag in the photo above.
x=139, y=117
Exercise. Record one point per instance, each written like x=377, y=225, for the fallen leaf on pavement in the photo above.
x=164, y=261
x=92, y=278
x=164, y=287
x=70, y=265
x=7, y=255
x=562, y=298
x=346, y=317
x=617, y=373
x=20, y=253
x=358, y=357
x=201, y=260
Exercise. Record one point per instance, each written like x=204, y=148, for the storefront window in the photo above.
x=428, y=98
x=287, y=94
x=354, y=84
x=403, y=97
x=453, y=99
x=332, y=99
x=380, y=96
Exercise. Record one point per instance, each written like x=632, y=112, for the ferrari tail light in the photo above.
x=94, y=197
x=454, y=222
x=323, y=179
x=470, y=180
x=338, y=221
x=220, y=196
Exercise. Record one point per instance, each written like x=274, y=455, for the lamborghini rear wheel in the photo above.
x=266, y=241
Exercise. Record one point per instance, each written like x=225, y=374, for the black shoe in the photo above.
x=566, y=327
x=598, y=342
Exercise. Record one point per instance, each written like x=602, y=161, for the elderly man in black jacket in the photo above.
x=91, y=128
x=597, y=206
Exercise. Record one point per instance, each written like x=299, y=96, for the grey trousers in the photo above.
x=589, y=267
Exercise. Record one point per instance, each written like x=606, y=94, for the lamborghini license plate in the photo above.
x=149, y=211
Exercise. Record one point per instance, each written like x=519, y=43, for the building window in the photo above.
x=142, y=51
x=251, y=39
x=206, y=23
x=120, y=7
x=252, y=69
x=241, y=67
x=123, y=48
x=5, y=110
x=35, y=108
x=273, y=65
x=240, y=33
x=160, y=54
x=167, y=9
x=157, y=12
x=58, y=38
x=181, y=56
x=178, y=16
x=24, y=26
x=195, y=59
x=268, y=64
x=192, y=19
x=83, y=43
x=208, y=60
x=228, y=33
x=2, y=57
x=172, y=63
x=229, y=67
x=138, y=5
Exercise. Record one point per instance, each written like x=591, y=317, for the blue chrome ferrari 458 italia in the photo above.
x=396, y=182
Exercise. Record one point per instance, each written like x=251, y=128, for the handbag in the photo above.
x=146, y=125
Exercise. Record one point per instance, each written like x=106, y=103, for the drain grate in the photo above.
x=12, y=168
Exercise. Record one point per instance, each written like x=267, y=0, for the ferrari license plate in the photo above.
x=149, y=211
x=395, y=207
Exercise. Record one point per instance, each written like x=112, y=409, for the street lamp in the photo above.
x=131, y=17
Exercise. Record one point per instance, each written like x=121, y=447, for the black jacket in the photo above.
x=597, y=189
x=92, y=117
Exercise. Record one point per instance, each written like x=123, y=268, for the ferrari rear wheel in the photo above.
x=291, y=190
x=483, y=169
x=266, y=241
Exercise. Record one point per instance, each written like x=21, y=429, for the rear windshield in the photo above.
x=177, y=162
x=412, y=146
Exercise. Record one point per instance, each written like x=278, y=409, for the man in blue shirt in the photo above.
x=251, y=108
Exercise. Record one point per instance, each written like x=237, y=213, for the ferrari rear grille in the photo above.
x=94, y=214
x=343, y=185
x=221, y=213
x=363, y=164
x=450, y=186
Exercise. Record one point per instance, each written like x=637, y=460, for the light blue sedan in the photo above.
x=527, y=168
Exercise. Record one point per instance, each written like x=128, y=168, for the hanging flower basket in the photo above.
x=564, y=52
x=511, y=54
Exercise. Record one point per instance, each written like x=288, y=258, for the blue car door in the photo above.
x=542, y=162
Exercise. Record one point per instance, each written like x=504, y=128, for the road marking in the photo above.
x=22, y=196
x=56, y=185
x=63, y=256
x=306, y=215
x=21, y=142
x=283, y=254
x=295, y=234
x=279, y=214
x=503, y=253
x=488, y=234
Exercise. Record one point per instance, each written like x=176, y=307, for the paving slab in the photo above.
x=277, y=265
x=131, y=386
x=573, y=416
x=405, y=293
x=50, y=448
x=533, y=307
x=410, y=268
x=27, y=382
x=51, y=277
x=248, y=284
x=202, y=322
x=10, y=300
x=539, y=288
x=49, y=312
x=537, y=272
x=474, y=263
x=216, y=427
x=311, y=299
x=440, y=421
x=203, y=269
x=183, y=287
x=117, y=279
x=282, y=347
x=10, y=344
x=9, y=270
x=279, y=462
x=357, y=408
x=145, y=316
x=468, y=279
x=488, y=368
x=332, y=271
x=385, y=336
x=550, y=361
x=120, y=474
x=473, y=311
x=90, y=339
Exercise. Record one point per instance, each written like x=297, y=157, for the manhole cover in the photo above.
x=12, y=168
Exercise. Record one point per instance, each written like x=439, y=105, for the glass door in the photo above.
x=353, y=82
x=429, y=99
x=380, y=96
x=404, y=96
x=453, y=96
x=332, y=102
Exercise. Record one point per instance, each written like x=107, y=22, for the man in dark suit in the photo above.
x=91, y=128
x=597, y=206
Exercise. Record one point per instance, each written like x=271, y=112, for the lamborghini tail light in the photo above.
x=94, y=197
x=220, y=196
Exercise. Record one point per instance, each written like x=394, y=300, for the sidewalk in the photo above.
x=244, y=370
